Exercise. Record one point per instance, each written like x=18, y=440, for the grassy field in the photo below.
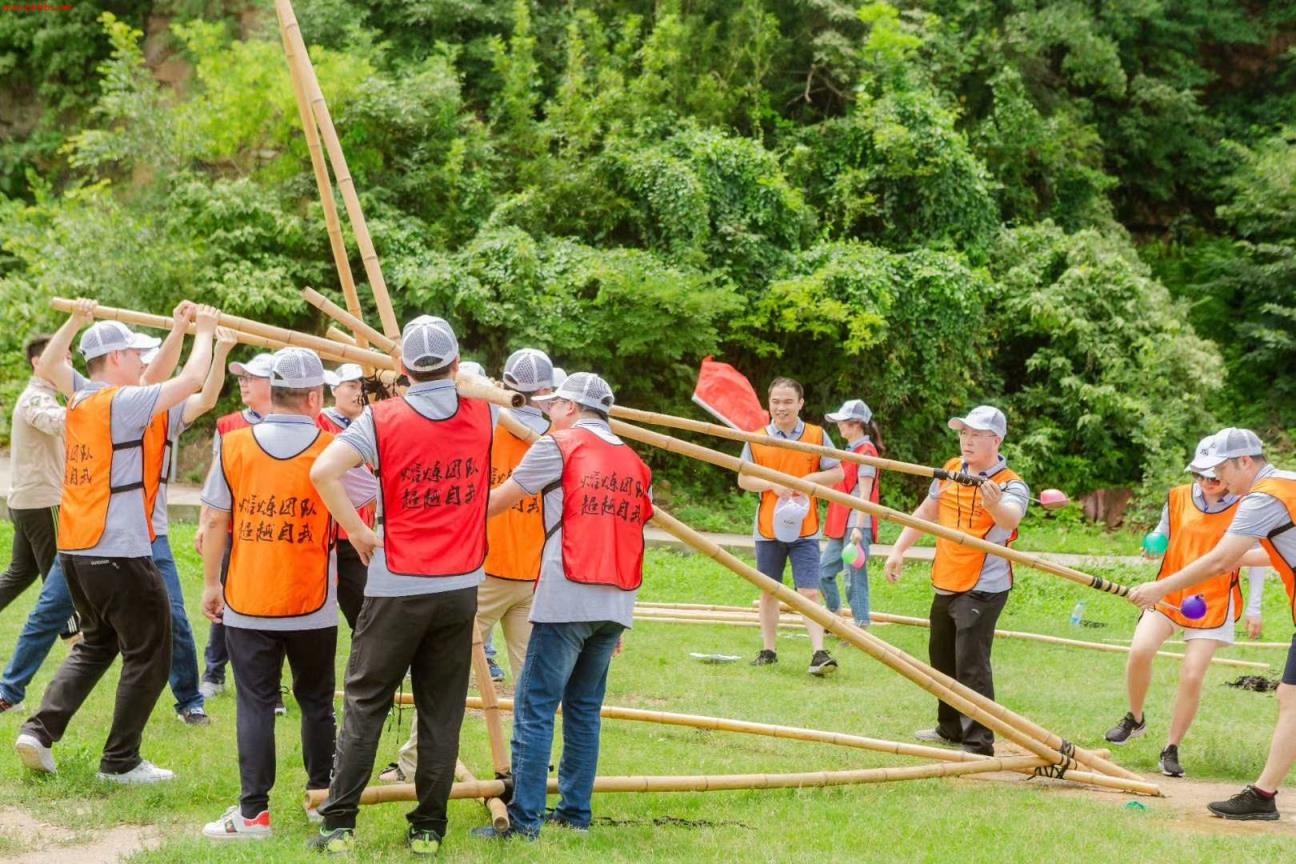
x=1077, y=694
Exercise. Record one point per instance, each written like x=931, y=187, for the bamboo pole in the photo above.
x=715, y=782
x=495, y=806
x=336, y=244
x=338, y=336
x=348, y=320
x=346, y=185
x=489, y=705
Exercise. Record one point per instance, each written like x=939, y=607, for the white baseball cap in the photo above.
x=789, y=515
x=1228, y=444
x=559, y=376
x=1202, y=453
x=259, y=366
x=983, y=418
x=583, y=388
x=149, y=356
x=297, y=369
x=105, y=337
x=428, y=343
x=851, y=409
x=472, y=369
x=528, y=370
x=342, y=374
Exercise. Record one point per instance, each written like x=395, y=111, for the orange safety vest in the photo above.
x=283, y=534
x=87, y=472
x=1285, y=491
x=515, y=537
x=1193, y=533
x=605, y=507
x=157, y=462
x=435, y=484
x=957, y=568
x=367, y=512
x=839, y=514
x=792, y=462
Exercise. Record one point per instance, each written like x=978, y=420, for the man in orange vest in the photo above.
x=1193, y=520
x=279, y=596
x=346, y=384
x=971, y=586
x=253, y=380
x=787, y=524
x=105, y=534
x=1266, y=514
x=430, y=449
x=597, y=499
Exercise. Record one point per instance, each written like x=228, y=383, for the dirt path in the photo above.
x=40, y=841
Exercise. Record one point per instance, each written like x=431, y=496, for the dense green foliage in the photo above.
x=927, y=204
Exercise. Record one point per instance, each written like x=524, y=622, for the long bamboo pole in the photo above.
x=496, y=807
x=338, y=336
x=489, y=705
x=715, y=782
x=346, y=185
x=336, y=244
x=348, y=320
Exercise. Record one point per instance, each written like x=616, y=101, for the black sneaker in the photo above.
x=193, y=717
x=765, y=658
x=822, y=664
x=1169, y=763
x=1126, y=729
x=423, y=841
x=1247, y=804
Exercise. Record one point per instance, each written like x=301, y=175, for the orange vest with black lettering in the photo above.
x=839, y=514
x=1285, y=491
x=157, y=462
x=605, y=508
x=283, y=535
x=792, y=462
x=367, y=512
x=957, y=568
x=1193, y=534
x=87, y=472
x=516, y=537
x=435, y=482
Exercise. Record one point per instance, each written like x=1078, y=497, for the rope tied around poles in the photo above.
x=1058, y=770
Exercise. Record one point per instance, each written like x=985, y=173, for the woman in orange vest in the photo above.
x=597, y=499
x=860, y=432
x=1193, y=520
x=1265, y=515
x=971, y=587
x=787, y=525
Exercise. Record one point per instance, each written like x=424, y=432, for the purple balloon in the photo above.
x=1194, y=607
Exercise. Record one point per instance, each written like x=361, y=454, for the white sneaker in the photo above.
x=232, y=826
x=210, y=689
x=313, y=814
x=144, y=772
x=35, y=755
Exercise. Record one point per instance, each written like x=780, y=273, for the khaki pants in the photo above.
x=507, y=601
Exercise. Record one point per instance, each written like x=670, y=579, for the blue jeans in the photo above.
x=49, y=618
x=857, y=584
x=184, y=653
x=568, y=664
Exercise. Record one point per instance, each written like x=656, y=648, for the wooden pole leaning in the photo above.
x=346, y=185
x=338, y=336
x=336, y=244
x=352, y=322
x=489, y=703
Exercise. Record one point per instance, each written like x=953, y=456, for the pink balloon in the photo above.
x=1052, y=499
x=860, y=558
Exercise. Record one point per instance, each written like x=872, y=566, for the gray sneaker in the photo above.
x=211, y=689
x=193, y=717
x=1127, y=729
x=35, y=755
x=934, y=736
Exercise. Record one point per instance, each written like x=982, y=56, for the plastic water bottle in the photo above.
x=1077, y=614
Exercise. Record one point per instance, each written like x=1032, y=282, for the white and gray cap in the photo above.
x=259, y=366
x=528, y=370
x=983, y=418
x=297, y=369
x=1228, y=444
x=559, y=376
x=583, y=388
x=852, y=409
x=428, y=343
x=105, y=337
x=342, y=374
x=1200, y=455
x=472, y=369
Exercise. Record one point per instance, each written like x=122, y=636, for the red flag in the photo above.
x=726, y=394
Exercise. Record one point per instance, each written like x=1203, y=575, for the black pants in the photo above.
x=35, y=544
x=962, y=633
x=352, y=575
x=124, y=610
x=257, y=658
x=431, y=636
x=216, y=654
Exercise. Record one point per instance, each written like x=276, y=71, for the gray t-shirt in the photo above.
x=126, y=532
x=1259, y=515
x=284, y=436
x=996, y=572
x=825, y=463
x=435, y=400
x=175, y=426
x=558, y=600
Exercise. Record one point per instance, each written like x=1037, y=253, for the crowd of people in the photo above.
x=426, y=518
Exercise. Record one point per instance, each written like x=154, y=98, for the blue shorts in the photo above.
x=773, y=555
x=1289, y=674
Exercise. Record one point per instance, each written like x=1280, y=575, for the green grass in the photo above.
x=1077, y=694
